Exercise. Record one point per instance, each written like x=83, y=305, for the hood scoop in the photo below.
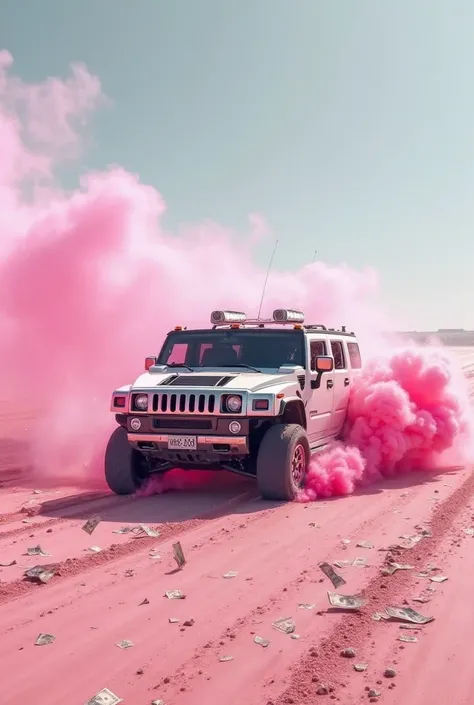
x=198, y=380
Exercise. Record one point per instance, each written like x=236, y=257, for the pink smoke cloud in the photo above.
x=90, y=282
x=408, y=411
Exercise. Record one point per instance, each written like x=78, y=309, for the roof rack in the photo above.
x=262, y=323
x=318, y=326
x=254, y=323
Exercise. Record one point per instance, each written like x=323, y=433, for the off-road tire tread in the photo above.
x=119, y=471
x=273, y=461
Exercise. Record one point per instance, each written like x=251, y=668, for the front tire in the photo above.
x=282, y=462
x=122, y=464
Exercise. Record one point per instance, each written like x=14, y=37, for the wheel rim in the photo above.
x=298, y=465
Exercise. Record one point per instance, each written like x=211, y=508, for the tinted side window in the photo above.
x=338, y=355
x=318, y=347
x=354, y=354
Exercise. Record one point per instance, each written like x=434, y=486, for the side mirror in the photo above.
x=324, y=363
x=149, y=362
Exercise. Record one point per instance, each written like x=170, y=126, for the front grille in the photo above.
x=188, y=403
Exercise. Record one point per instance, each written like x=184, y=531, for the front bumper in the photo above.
x=209, y=450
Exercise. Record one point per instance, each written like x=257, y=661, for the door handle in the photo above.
x=329, y=384
x=346, y=382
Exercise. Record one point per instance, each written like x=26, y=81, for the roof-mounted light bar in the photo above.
x=227, y=317
x=287, y=315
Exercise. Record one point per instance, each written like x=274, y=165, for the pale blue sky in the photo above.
x=348, y=123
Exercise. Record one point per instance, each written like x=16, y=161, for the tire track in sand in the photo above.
x=71, y=567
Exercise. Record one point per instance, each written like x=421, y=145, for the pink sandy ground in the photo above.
x=94, y=601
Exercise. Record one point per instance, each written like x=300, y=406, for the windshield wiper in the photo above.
x=242, y=364
x=177, y=364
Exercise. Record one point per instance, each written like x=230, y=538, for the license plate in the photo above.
x=182, y=443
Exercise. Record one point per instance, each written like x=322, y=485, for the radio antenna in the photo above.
x=266, y=280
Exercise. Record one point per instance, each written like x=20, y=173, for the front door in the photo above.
x=320, y=403
x=342, y=378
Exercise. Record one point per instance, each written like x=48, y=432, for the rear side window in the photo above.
x=318, y=347
x=338, y=355
x=354, y=354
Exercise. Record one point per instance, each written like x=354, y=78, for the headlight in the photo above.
x=141, y=402
x=234, y=404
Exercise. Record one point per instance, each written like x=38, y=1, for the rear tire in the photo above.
x=282, y=462
x=122, y=464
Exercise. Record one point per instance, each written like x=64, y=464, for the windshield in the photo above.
x=227, y=348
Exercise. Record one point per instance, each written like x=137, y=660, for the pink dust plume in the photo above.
x=90, y=282
x=408, y=411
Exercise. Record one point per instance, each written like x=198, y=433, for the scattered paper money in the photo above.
x=157, y=702
x=223, y=659
x=359, y=562
x=178, y=554
x=306, y=606
x=406, y=614
x=95, y=549
x=409, y=541
x=175, y=595
x=146, y=601
x=365, y=544
x=330, y=573
x=36, y=551
x=407, y=638
x=342, y=564
x=7, y=564
x=262, y=642
x=393, y=567
x=43, y=639
x=143, y=530
x=438, y=578
x=360, y=667
x=345, y=542
x=295, y=636
x=411, y=627
x=123, y=530
x=173, y=620
x=285, y=625
x=90, y=526
x=41, y=573
x=230, y=574
x=469, y=532
x=105, y=697
x=125, y=644
x=421, y=599
x=424, y=532
x=346, y=602
x=379, y=616
x=153, y=553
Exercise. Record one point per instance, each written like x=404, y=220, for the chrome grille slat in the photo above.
x=189, y=402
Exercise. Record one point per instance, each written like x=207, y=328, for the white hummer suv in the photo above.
x=255, y=397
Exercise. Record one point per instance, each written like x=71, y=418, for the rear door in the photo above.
x=342, y=381
x=321, y=401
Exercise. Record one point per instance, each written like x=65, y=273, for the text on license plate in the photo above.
x=182, y=443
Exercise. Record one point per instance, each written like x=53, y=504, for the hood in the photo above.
x=222, y=380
